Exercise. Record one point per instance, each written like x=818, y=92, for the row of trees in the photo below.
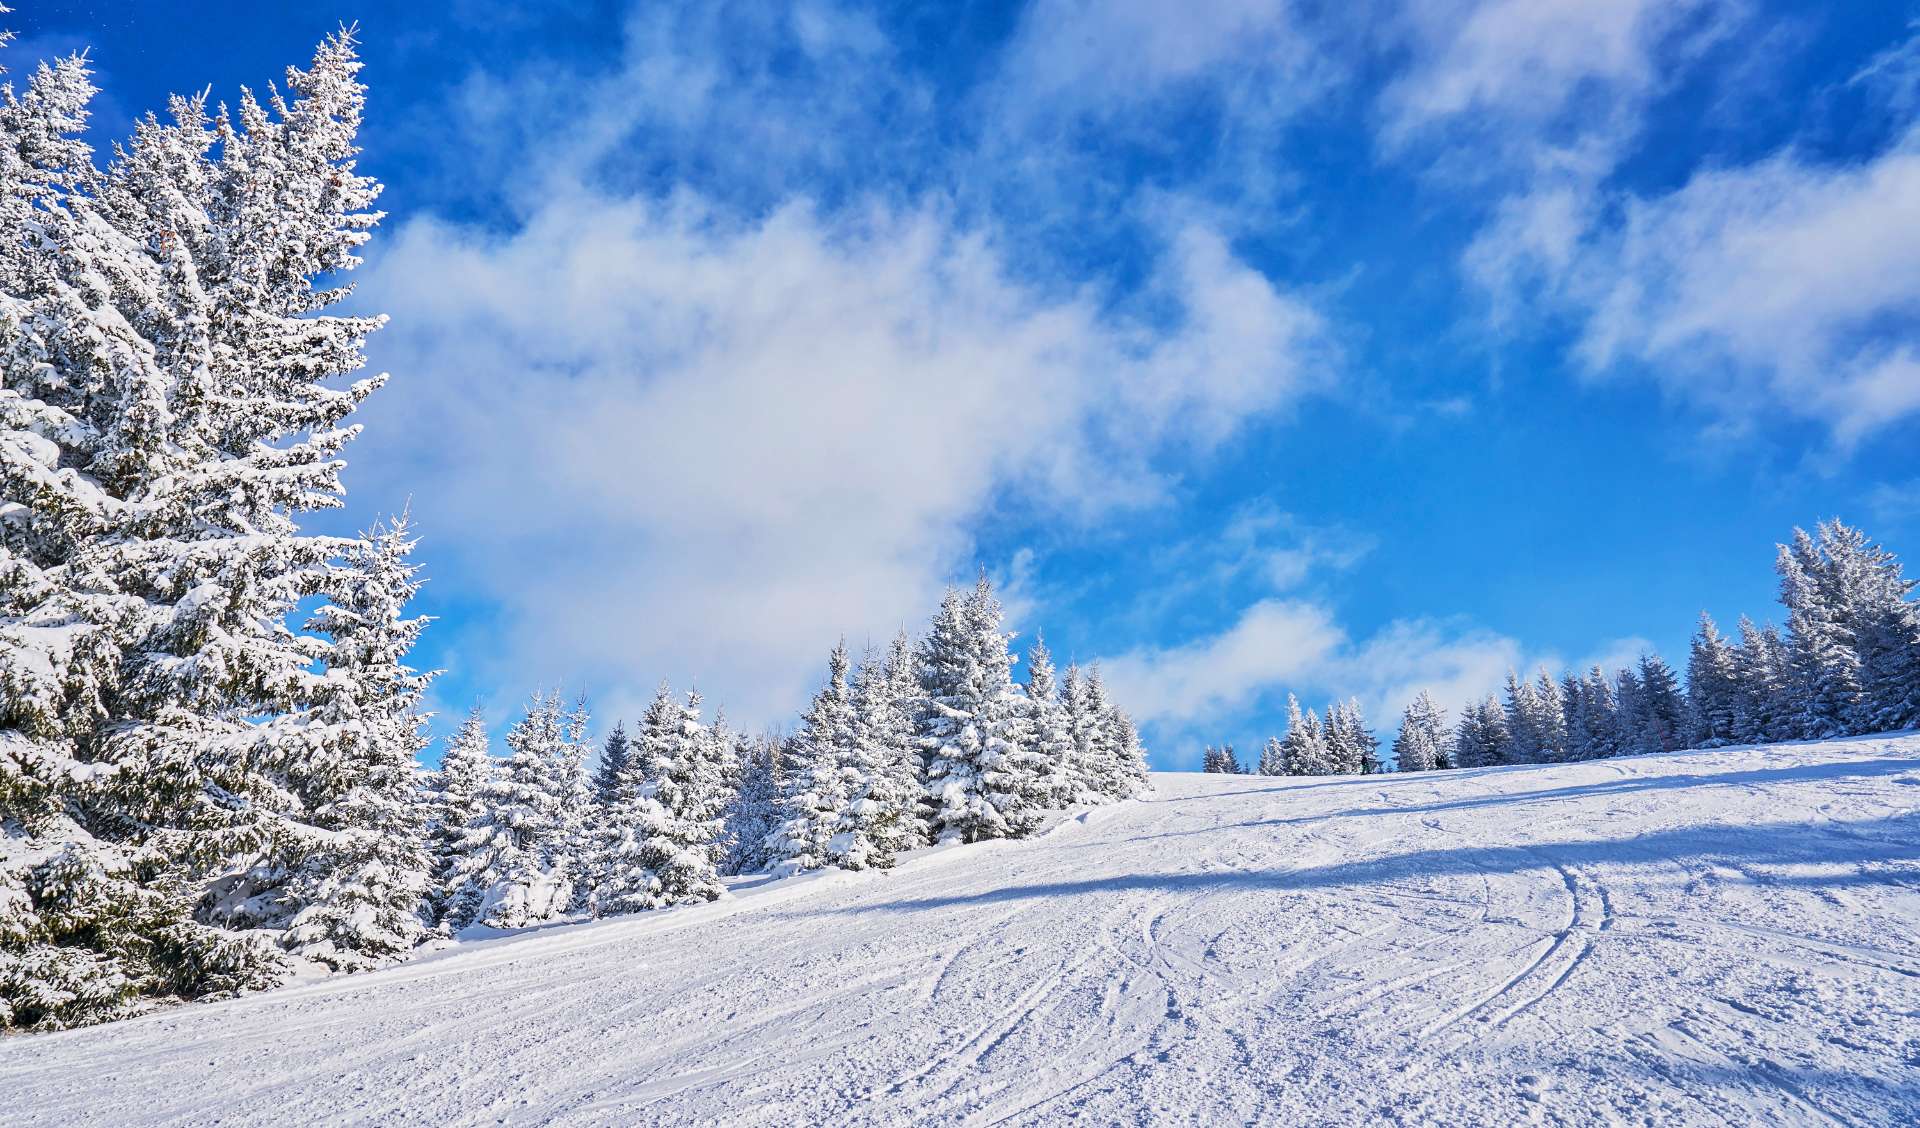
x=1847, y=664
x=921, y=743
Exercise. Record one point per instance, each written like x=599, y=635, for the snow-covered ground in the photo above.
x=1710, y=938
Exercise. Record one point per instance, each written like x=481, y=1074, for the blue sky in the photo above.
x=1254, y=346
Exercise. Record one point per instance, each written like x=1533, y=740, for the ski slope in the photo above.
x=1725, y=937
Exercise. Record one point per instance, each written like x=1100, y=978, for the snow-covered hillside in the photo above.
x=1724, y=937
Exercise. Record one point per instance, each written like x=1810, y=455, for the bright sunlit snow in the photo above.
x=1720, y=937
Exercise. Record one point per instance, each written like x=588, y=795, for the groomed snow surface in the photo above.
x=1723, y=937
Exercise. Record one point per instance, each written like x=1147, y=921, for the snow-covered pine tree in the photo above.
x=877, y=821
x=1089, y=736
x=1824, y=687
x=817, y=788
x=170, y=414
x=1711, y=690
x=1304, y=747
x=1481, y=739
x=1421, y=745
x=753, y=813
x=525, y=851
x=1359, y=737
x=1050, y=728
x=661, y=842
x=1870, y=601
x=909, y=761
x=1524, y=739
x=613, y=760
x=1273, y=757
x=1129, y=755
x=1550, y=720
x=1210, y=760
x=363, y=887
x=465, y=778
x=1761, y=681
x=1592, y=726
x=986, y=784
x=1662, y=704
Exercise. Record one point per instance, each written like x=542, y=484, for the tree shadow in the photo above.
x=1870, y=843
x=1792, y=773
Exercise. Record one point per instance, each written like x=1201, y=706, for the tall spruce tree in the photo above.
x=753, y=813
x=467, y=775
x=1481, y=740
x=614, y=754
x=172, y=409
x=819, y=785
x=1421, y=745
x=363, y=888
x=1050, y=728
x=661, y=842
x=985, y=783
x=1712, y=687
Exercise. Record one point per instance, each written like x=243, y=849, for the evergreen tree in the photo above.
x=661, y=842
x=525, y=852
x=613, y=761
x=1824, y=679
x=1130, y=756
x=1273, y=757
x=1593, y=722
x=818, y=786
x=1088, y=735
x=1712, y=691
x=902, y=737
x=1303, y=749
x=363, y=887
x=1482, y=739
x=170, y=412
x=1761, y=678
x=879, y=819
x=753, y=814
x=467, y=775
x=1421, y=745
x=1050, y=728
x=985, y=783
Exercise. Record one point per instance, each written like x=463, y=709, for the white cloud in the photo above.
x=1779, y=286
x=1274, y=642
x=666, y=441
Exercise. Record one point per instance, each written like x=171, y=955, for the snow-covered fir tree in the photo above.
x=172, y=408
x=363, y=886
x=1761, y=703
x=1421, y=745
x=1653, y=709
x=753, y=812
x=1088, y=734
x=460, y=819
x=1592, y=716
x=1273, y=757
x=1824, y=686
x=882, y=818
x=1050, y=728
x=614, y=753
x=1481, y=739
x=985, y=783
x=526, y=852
x=661, y=843
x=817, y=785
x=1304, y=747
x=1712, y=687
x=909, y=766
x=1129, y=755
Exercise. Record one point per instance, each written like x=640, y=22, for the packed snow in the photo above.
x=1722, y=937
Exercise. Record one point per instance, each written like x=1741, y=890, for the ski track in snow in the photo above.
x=1715, y=938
